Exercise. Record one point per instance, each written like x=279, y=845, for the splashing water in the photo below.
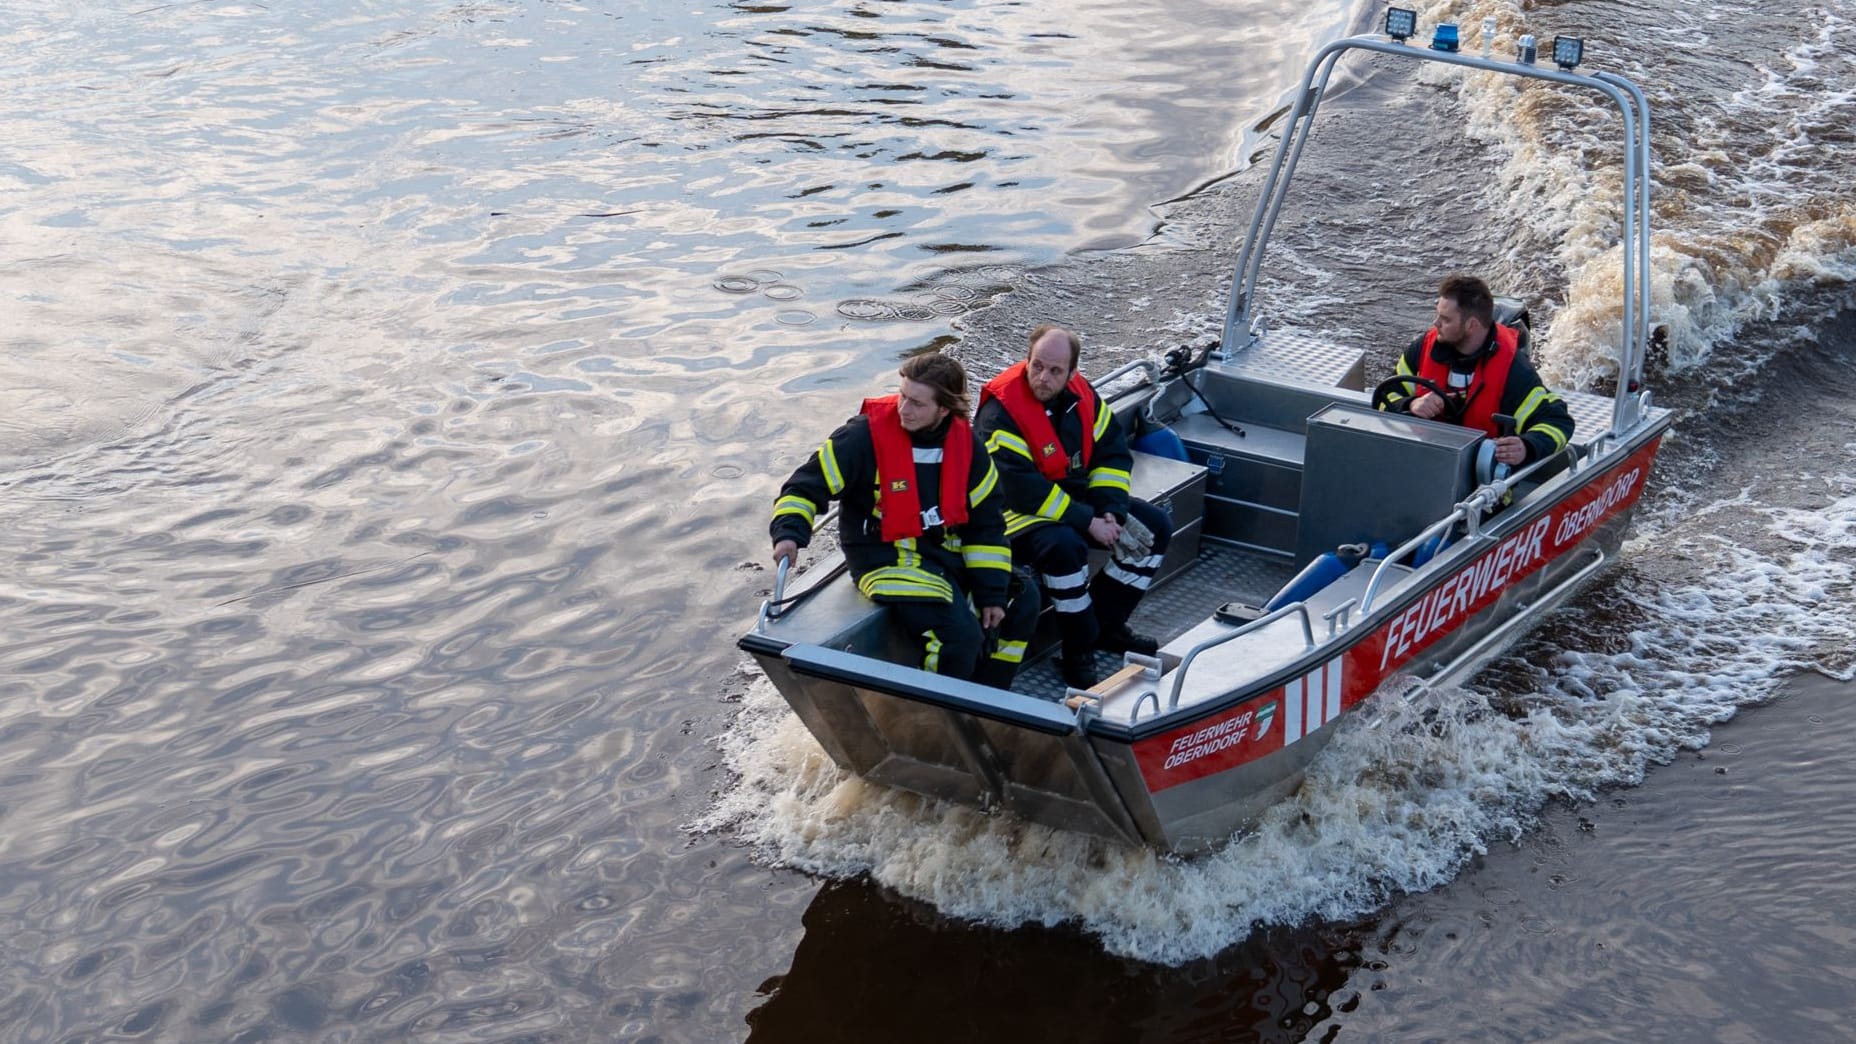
x=1749, y=200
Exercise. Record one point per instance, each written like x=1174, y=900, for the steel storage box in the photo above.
x=1373, y=476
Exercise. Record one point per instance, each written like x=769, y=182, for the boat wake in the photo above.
x=1401, y=799
x=1754, y=216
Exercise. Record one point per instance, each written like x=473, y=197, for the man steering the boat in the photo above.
x=1063, y=462
x=922, y=524
x=1468, y=369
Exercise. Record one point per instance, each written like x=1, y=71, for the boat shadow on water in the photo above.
x=875, y=966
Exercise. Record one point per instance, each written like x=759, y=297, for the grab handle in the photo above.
x=1308, y=637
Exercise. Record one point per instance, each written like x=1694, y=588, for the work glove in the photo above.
x=1136, y=541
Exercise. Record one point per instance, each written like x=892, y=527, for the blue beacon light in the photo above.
x=1444, y=37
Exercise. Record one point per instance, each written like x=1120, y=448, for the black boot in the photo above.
x=1077, y=664
x=1114, y=603
x=1078, y=667
x=995, y=672
x=1119, y=639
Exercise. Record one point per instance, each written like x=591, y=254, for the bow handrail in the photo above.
x=779, y=604
x=1185, y=664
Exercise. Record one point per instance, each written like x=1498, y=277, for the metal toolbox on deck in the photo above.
x=1375, y=476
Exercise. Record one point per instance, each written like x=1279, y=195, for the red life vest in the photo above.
x=895, y=471
x=1014, y=393
x=1484, y=394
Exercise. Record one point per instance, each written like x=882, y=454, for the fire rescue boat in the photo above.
x=1325, y=550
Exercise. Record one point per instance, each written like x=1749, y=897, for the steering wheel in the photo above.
x=1382, y=396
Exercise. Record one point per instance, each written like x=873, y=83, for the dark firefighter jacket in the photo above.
x=845, y=469
x=1541, y=418
x=1086, y=490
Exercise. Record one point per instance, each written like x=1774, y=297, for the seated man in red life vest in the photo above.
x=921, y=526
x=1478, y=363
x=1064, y=465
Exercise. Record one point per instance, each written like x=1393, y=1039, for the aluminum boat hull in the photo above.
x=1186, y=777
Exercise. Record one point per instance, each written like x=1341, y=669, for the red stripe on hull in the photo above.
x=1255, y=728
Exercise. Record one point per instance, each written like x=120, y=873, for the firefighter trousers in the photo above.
x=952, y=642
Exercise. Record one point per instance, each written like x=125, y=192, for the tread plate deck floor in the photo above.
x=1220, y=574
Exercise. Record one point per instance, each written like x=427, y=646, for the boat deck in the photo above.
x=1220, y=574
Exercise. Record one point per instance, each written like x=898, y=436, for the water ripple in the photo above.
x=388, y=400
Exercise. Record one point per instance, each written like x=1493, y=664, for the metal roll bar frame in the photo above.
x=1627, y=408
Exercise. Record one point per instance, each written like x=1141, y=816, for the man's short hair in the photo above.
x=945, y=376
x=1075, y=342
x=1472, y=297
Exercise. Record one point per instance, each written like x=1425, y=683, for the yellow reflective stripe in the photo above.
x=1558, y=436
x=1108, y=478
x=828, y=463
x=1016, y=523
x=931, y=658
x=1529, y=405
x=1103, y=415
x=793, y=504
x=1536, y=399
x=1055, y=504
x=1010, y=652
x=901, y=589
x=1002, y=439
x=1402, y=391
x=986, y=486
x=987, y=556
x=904, y=582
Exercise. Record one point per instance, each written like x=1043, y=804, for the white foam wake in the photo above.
x=1752, y=208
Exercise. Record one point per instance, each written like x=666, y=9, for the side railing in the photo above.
x=1148, y=366
x=1469, y=511
x=1185, y=663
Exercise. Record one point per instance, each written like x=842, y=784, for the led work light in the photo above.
x=1568, y=51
